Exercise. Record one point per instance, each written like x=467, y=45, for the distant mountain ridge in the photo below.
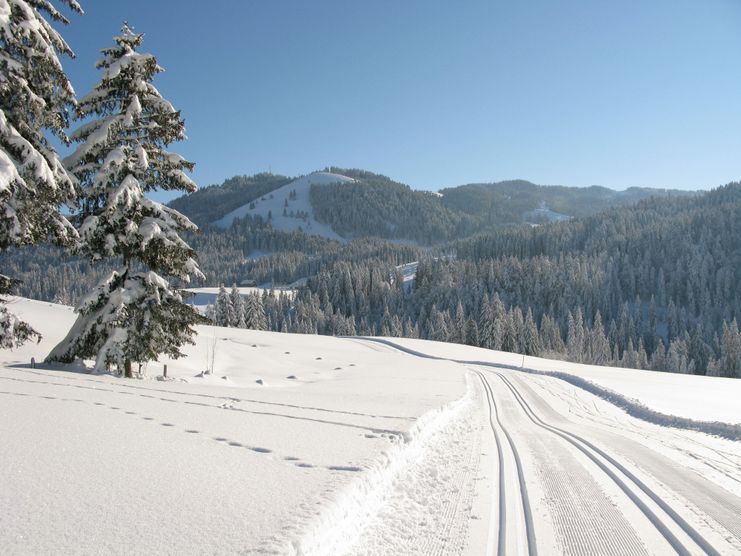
x=350, y=203
x=507, y=202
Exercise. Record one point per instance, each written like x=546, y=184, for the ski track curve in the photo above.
x=707, y=498
x=630, y=406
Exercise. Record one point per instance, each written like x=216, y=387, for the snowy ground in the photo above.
x=274, y=203
x=348, y=446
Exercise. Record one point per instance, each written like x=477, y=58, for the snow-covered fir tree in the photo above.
x=13, y=331
x=531, y=337
x=236, y=317
x=35, y=96
x=222, y=307
x=254, y=313
x=487, y=323
x=729, y=362
x=134, y=314
x=472, y=331
x=458, y=334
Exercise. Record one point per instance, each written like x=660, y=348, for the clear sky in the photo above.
x=438, y=93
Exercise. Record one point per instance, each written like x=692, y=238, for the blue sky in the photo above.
x=439, y=93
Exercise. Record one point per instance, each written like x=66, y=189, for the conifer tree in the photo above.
x=13, y=331
x=35, y=96
x=472, y=331
x=499, y=322
x=510, y=341
x=630, y=356
x=458, y=335
x=437, y=327
x=487, y=325
x=531, y=341
x=236, y=314
x=409, y=330
x=395, y=328
x=599, y=346
x=222, y=308
x=658, y=357
x=677, y=357
x=254, y=313
x=575, y=337
x=729, y=362
x=134, y=314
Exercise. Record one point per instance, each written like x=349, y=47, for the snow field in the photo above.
x=200, y=464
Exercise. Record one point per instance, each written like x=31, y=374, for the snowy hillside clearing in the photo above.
x=345, y=446
x=543, y=214
x=408, y=271
x=289, y=207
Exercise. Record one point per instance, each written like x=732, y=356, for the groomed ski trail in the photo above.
x=646, y=516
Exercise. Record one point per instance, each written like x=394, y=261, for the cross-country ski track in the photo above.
x=590, y=484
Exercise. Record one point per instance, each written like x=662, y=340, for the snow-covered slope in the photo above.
x=281, y=200
x=302, y=444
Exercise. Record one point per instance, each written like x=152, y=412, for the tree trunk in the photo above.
x=127, y=369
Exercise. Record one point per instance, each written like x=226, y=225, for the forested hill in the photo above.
x=374, y=205
x=655, y=285
x=509, y=202
x=657, y=228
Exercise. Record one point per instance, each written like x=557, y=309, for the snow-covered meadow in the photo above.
x=301, y=444
x=251, y=457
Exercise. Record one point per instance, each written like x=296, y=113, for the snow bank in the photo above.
x=340, y=524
